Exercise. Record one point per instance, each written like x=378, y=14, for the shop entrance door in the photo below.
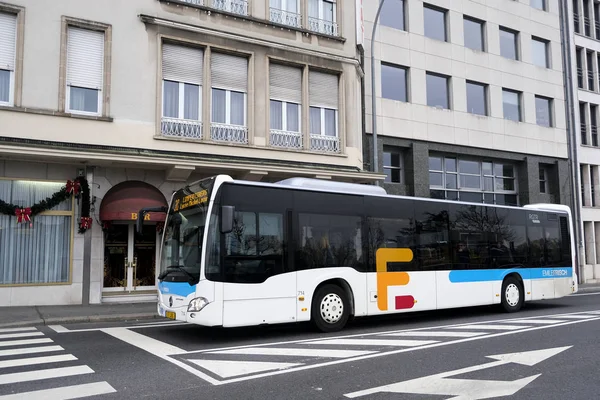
x=130, y=259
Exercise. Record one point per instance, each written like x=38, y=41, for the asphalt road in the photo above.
x=547, y=351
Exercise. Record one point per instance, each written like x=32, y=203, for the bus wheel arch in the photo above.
x=512, y=295
x=331, y=295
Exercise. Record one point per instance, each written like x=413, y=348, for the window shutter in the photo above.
x=323, y=89
x=182, y=63
x=285, y=83
x=85, y=58
x=8, y=40
x=229, y=72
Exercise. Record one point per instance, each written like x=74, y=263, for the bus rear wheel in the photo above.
x=330, y=310
x=512, y=294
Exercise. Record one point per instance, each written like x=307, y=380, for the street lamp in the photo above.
x=373, y=92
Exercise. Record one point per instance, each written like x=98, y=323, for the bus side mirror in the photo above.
x=227, y=218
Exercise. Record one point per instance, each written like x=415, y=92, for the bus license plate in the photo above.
x=170, y=314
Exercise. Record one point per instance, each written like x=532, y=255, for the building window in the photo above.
x=438, y=90
x=593, y=184
x=37, y=252
x=393, y=15
x=576, y=18
x=182, y=72
x=583, y=123
x=543, y=179
x=539, y=48
x=85, y=71
x=477, y=98
x=285, y=85
x=511, y=103
x=233, y=6
x=285, y=12
x=590, y=70
x=393, y=82
x=435, y=23
x=586, y=18
x=323, y=96
x=543, y=111
x=474, y=34
x=597, y=20
x=579, y=58
x=509, y=43
x=229, y=76
x=539, y=4
x=8, y=51
x=594, y=124
x=392, y=166
x=472, y=180
x=322, y=17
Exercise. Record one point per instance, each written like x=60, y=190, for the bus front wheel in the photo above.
x=512, y=294
x=330, y=308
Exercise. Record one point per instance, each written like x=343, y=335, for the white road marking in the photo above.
x=375, y=342
x=491, y=327
x=64, y=393
x=29, y=376
x=143, y=342
x=23, y=342
x=593, y=312
x=24, y=329
x=20, y=335
x=36, y=360
x=228, y=368
x=282, y=351
x=576, y=316
x=62, y=329
x=539, y=321
x=30, y=350
x=435, y=334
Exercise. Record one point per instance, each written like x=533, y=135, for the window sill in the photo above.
x=43, y=111
x=249, y=18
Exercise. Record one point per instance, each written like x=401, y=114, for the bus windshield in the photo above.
x=181, y=253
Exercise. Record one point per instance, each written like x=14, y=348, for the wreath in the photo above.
x=78, y=187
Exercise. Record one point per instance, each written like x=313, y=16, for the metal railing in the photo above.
x=594, y=136
x=285, y=17
x=583, y=129
x=183, y=128
x=233, y=6
x=194, y=2
x=229, y=133
x=286, y=139
x=576, y=21
x=329, y=144
x=323, y=26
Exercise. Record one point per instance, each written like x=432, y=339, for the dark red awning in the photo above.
x=124, y=201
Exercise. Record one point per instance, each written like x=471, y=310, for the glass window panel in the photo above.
x=539, y=4
x=450, y=164
x=468, y=167
x=488, y=198
x=83, y=99
x=395, y=160
x=488, y=184
x=315, y=121
x=276, y=112
x=191, y=102
x=471, y=197
x=511, y=105
x=542, y=111
x=505, y=184
x=452, y=195
x=4, y=85
x=451, y=181
x=237, y=108
x=387, y=158
x=487, y=168
x=330, y=123
x=293, y=117
x=435, y=163
x=506, y=170
x=470, y=181
x=476, y=100
x=435, y=179
x=506, y=199
x=219, y=101
x=392, y=14
x=393, y=82
x=539, y=53
x=435, y=23
x=171, y=99
x=437, y=194
x=437, y=91
x=473, y=34
x=328, y=11
x=508, y=44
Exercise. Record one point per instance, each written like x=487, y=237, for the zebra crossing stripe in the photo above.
x=44, y=374
x=36, y=361
x=64, y=393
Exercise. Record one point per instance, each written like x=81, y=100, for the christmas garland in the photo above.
x=79, y=187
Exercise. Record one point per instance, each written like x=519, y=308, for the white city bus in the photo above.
x=237, y=253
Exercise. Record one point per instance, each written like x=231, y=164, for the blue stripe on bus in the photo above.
x=176, y=288
x=483, y=275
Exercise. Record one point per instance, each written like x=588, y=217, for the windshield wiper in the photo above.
x=179, y=268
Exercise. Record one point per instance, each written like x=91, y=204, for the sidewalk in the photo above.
x=48, y=315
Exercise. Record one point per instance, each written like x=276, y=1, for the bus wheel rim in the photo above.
x=332, y=308
x=512, y=295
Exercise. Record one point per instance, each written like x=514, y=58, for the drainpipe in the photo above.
x=374, y=92
x=571, y=130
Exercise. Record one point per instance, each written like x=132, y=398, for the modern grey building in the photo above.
x=470, y=100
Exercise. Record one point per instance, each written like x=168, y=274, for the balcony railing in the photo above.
x=329, y=144
x=233, y=6
x=576, y=22
x=323, y=26
x=583, y=129
x=580, y=77
x=182, y=128
x=587, y=26
x=590, y=76
x=286, y=18
x=194, y=2
x=285, y=139
x=229, y=133
x=594, y=136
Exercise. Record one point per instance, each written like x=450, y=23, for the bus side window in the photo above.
x=391, y=233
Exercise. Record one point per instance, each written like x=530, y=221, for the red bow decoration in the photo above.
x=23, y=214
x=86, y=222
x=73, y=186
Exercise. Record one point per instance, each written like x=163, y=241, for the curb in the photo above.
x=82, y=319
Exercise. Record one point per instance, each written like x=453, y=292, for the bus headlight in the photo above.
x=197, y=304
